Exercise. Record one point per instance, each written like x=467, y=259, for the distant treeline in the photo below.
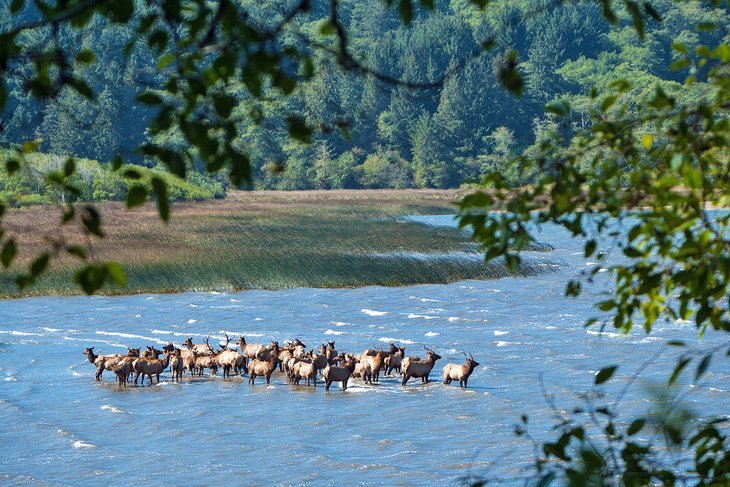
x=374, y=134
x=34, y=184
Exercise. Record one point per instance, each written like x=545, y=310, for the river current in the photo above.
x=61, y=427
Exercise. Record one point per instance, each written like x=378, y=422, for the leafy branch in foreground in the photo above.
x=639, y=184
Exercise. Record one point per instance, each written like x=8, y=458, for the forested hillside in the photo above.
x=369, y=132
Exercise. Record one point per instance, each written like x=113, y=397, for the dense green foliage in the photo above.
x=33, y=182
x=366, y=132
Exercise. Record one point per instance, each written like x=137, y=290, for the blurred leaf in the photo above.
x=298, y=129
x=702, y=367
x=92, y=220
x=116, y=273
x=136, y=195
x=406, y=11
x=77, y=251
x=636, y=426
x=39, y=264
x=163, y=204
x=8, y=253
x=678, y=370
x=604, y=374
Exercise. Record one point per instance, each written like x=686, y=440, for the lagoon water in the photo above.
x=61, y=427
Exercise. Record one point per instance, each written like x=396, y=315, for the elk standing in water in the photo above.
x=419, y=368
x=260, y=367
x=342, y=374
x=460, y=372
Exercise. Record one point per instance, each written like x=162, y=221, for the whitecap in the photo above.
x=20, y=333
x=605, y=333
x=453, y=318
x=137, y=316
x=191, y=321
x=714, y=389
x=428, y=300
x=81, y=444
x=500, y=333
x=551, y=327
x=371, y=312
x=193, y=305
x=333, y=332
x=591, y=264
x=150, y=298
x=235, y=300
x=109, y=407
x=161, y=332
x=258, y=319
x=52, y=330
x=503, y=344
x=399, y=340
x=431, y=334
x=339, y=323
x=425, y=317
x=270, y=387
x=10, y=378
x=130, y=335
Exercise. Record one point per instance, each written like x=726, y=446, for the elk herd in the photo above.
x=293, y=360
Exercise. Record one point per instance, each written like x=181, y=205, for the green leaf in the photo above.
x=607, y=305
x=633, y=9
x=12, y=166
x=69, y=167
x=224, y=104
x=76, y=251
x=136, y=195
x=406, y=11
x=604, y=374
x=8, y=253
x=163, y=204
x=92, y=220
x=81, y=87
x=608, y=102
x=706, y=26
x=636, y=426
x=90, y=278
x=85, y=56
x=39, y=264
x=16, y=6
x=150, y=98
x=590, y=248
x=678, y=370
x=116, y=273
x=560, y=108
x=702, y=368
x=298, y=129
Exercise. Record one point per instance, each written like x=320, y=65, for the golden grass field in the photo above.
x=254, y=240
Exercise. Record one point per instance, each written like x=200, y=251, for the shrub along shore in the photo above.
x=260, y=240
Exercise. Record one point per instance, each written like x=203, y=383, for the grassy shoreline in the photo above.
x=261, y=240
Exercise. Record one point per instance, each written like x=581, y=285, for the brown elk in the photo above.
x=104, y=362
x=419, y=368
x=248, y=350
x=264, y=368
x=395, y=360
x=460, y=372
x=199, y=348
x=375, y=360
x=177, y=365
x=150, y=367
x=334, y=373
x=151, y=352
x=122, y=370
x=228, y=359
x=306, y=369
x=330, y=353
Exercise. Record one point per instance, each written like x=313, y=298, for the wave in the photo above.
x=52, y=330
x=425, y=317
x=431, y=334
x=339, y=323
x=606, y=334
x=453, y=318
x=109, y=407
x=130, y=335
x=334, y=332
x=371, y=312
x=399, y=340
x=80, y=444
x=87, y=340
x=191, y=321
x=21, y=333
x=500, y=333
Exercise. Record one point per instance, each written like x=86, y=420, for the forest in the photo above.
x=369, y=132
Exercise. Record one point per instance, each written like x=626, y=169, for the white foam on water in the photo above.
x=150, y=298
x=425, y=300
x=193, y=305
x=371, y=312
x=339, y=323
x=425, y=317
x=20, y=333
x=191, y=321
x=551, y=327
x=453, y=318
x=258, y=319
x=714, y=389
x=683, y=322
x=606, y=334
x=503, y=344
x=52, y=330
x=270, y=387
x=500, y=333
x=334, y=332
x=235, y=300
x=10, y=378
x=591, y=264
x=602, y=269
x=109, y=407
x=432, y=334
x=137, y=316
x=80, y=444
x=357, y=389
x=130, y=335
x=399, y=340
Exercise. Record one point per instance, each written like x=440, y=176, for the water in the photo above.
x=61, y=427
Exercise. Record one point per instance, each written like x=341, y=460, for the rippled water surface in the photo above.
x=61, y=427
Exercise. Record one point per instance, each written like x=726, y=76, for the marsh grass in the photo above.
x=267, y=240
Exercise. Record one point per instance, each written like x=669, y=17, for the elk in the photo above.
x=177, y=364
x=104, y=362
x=395, y=360
x=150, y=367
x=375, y=360
x=419, y=368
x=203, y=362
x=199, y=349
x=151, y=352
x=228, y=359
x=460, y=372
x=122, y=370
x=342, y=374
x=259, y=367
x=302, y=369
x=248, y=350
x=331, y=353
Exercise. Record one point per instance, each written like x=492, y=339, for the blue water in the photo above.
x=61, y=427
